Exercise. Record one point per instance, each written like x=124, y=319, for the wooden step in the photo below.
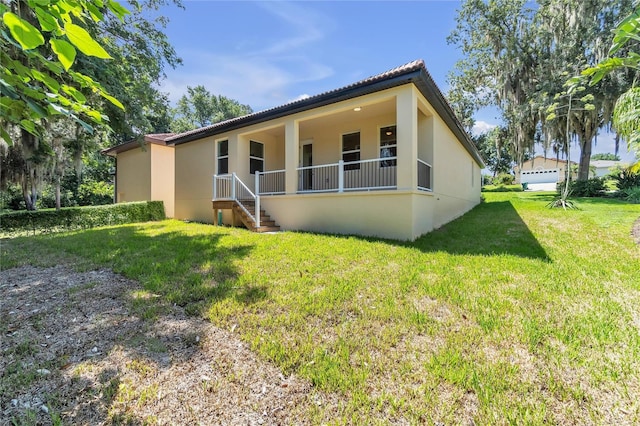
x=266, y=229
x=266, y=223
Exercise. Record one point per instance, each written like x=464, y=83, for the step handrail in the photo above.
x=235, y=184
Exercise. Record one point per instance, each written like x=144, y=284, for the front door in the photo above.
x=307, y=161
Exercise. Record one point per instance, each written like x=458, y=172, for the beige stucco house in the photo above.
x=145, y=170
x=384, y=156
x=543, y=170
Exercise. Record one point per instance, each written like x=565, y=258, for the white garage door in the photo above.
x=540, y=176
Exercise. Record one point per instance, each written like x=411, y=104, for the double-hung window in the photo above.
x=351, y=150
x=256, y=157
x=388, y=146
x=223, y=157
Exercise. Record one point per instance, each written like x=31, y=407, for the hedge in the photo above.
x=71, y=218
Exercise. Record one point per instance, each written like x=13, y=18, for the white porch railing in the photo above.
x=362, y=175
x=230, y=187
x=424, y=176
x=270, y=183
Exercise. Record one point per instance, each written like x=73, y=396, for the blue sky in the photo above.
x=268, y=53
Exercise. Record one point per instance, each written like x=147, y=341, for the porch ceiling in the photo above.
x=345, y=116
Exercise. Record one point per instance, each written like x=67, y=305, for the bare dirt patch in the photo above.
x=77, y=348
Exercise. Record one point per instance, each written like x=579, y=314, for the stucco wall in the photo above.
x=456, y=176
x=385, y=214
x=133, y=175
x=194, y=180
x=163, y=176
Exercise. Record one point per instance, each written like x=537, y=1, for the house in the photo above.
x=541, y=170
x=384, y=157
x=145, y=170
x=602, y=168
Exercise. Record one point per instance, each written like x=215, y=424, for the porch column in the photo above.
x=291, y=155
x=407, y=127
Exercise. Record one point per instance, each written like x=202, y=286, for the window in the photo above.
x=388, y=146
x=223, y=157
x=351, y=150
x=256, y=157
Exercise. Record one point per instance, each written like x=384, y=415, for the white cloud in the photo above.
x=299, y=98
x=481, y=127
x=261, y=78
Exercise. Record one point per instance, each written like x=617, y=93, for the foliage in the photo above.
x=606, y=156
x=489, y=312
x=92, y=193
x=626, y=113
x=518, y=57
x=199, y=108
x=11, y=198
x=504, y=179
x=140, y=51
x=495, y=151
x=41, y=43
x=626, y=178
x=632, y=194
x=71, y=218
x=593, y=187
x=47, y=199
x=502, y=188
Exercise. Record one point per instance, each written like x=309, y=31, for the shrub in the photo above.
x=632, y=194
x=12, y=198
x=47, y=198
x=486, y=180
x=626, y=179
x=594, y=187
x=502, y=188
x=504, y=179
x=43, y=221
x=94, y=193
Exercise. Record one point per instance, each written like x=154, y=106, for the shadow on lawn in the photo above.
x=489, y=229
x=188, y=270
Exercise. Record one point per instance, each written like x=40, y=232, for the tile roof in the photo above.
x=403, y=69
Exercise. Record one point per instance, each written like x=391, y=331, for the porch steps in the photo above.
x=266, y=223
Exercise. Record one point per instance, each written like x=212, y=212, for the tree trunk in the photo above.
x=58, y=193
x=585, y=158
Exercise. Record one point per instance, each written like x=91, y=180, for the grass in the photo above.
x=514, y=313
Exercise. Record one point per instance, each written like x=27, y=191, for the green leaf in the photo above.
x=112, y=100
x=95, y=13
x=65, y=51
x=46, y=79
x=5, y=136
x=118, y=9
x=37, y=109
x=30, y=127
x=84, y=124
x=23, y=32
x=47, y=22
x=84, y=42
x=75, y=93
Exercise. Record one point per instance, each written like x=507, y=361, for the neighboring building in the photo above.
x=602, y=168
x=542, y=170
x=145, y=171
x=383, y=157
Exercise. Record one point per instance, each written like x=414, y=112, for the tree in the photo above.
x=606, y=156
x=199, y=108
x=39, y=60
x=518, y=58
x=494, y=149
x=626, y=113
x=139, y=51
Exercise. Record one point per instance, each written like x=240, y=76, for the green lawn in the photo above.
x=514, y=313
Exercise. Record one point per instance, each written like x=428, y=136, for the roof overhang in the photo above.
x=413, y=72
x=157, y=139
